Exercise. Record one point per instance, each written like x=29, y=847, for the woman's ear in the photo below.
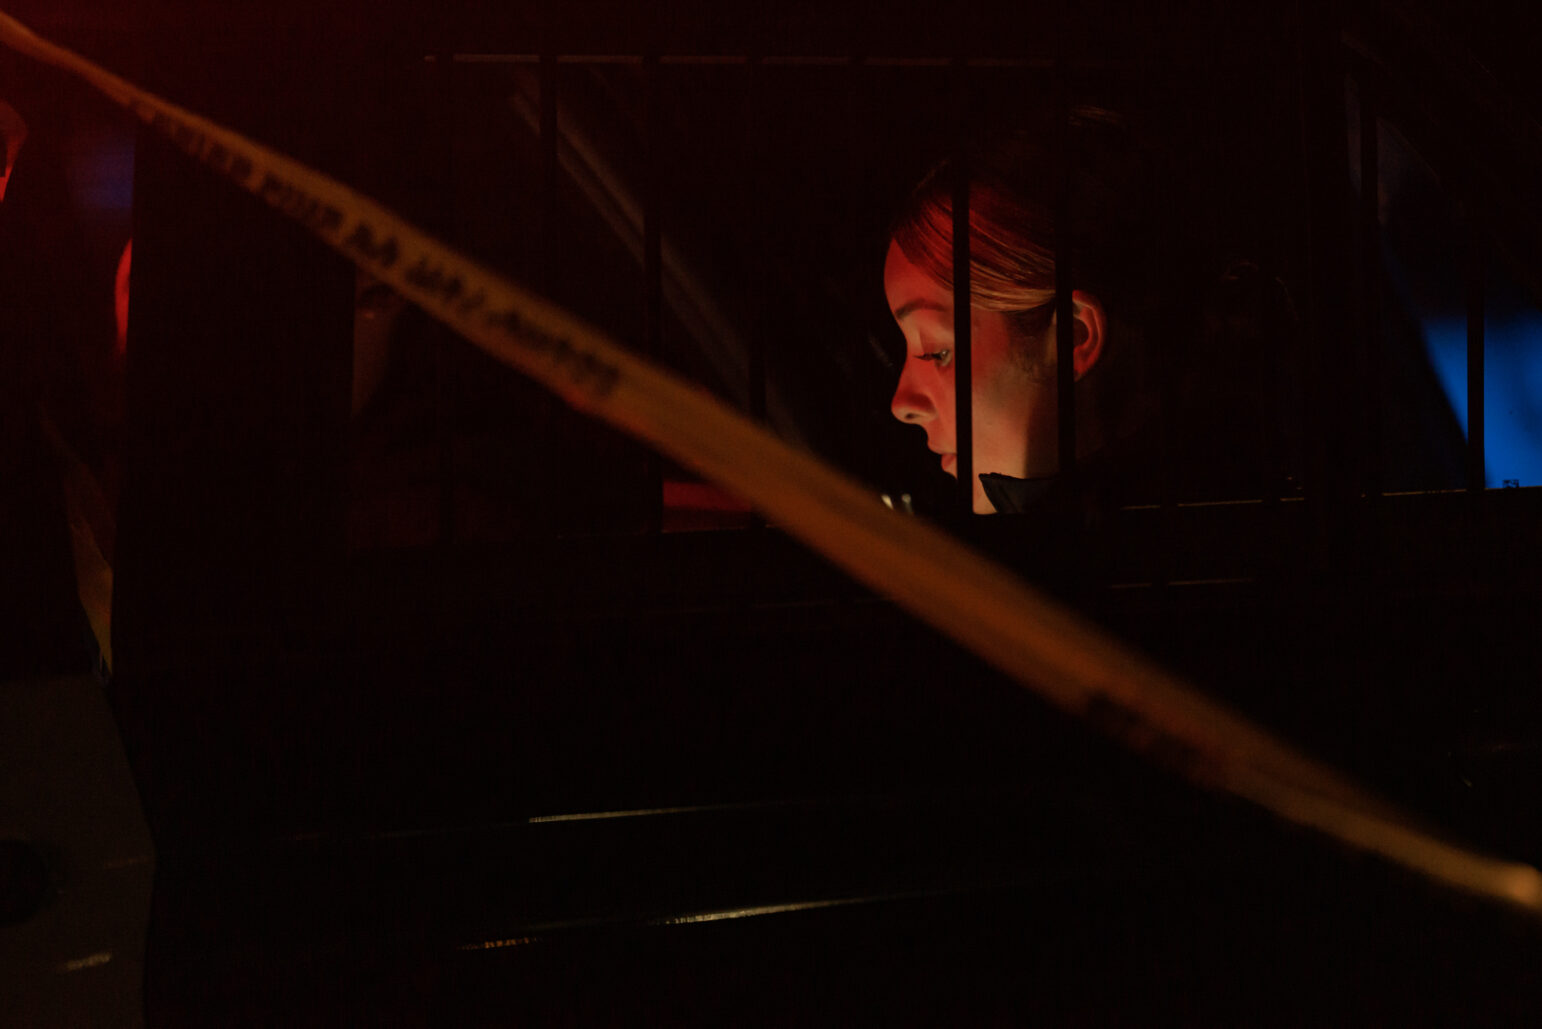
x=1091, y=331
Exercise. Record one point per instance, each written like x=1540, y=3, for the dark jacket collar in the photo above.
x=1009, y=495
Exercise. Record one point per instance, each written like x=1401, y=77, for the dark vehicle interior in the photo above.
x=453, y=706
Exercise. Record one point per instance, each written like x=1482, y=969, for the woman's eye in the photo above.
x=943, y=357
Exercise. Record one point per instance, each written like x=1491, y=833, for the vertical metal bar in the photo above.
x=549, y=131
x=1370, y=299
x=1065, y=323
x=1327, y=243
x=755, y=176
x=963, y=381
x=1477, y=261
x=444, y=432
x=653, y=263
x=443, y=79
x=754, y=151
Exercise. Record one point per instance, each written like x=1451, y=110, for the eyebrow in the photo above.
x=919, y=304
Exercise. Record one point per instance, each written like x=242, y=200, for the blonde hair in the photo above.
x=1011, y=240
x=1013, y=184
x=1012, y=244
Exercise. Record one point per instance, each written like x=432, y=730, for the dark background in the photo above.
x=340, y=749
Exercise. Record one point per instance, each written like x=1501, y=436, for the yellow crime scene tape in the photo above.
x=1063, y=658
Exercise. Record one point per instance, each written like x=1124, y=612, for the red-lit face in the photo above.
x=1013, y=410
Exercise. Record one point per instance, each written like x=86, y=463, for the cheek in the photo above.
x=1009, y=411
x=1000, y=381
x=942, y=394
x=1003, y=412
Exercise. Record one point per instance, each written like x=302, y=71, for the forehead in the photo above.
x=906, y=283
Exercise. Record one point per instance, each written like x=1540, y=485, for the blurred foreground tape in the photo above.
x=982, y=606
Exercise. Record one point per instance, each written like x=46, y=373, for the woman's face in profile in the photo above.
x=1013, y=409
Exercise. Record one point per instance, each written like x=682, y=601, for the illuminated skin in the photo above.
x=13, y=132
x=1014, y=421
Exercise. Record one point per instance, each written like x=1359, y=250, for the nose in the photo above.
x=913, y=402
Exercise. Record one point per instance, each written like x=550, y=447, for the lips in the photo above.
x=950, y=463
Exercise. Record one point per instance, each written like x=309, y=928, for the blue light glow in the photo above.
x=1512, y=389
